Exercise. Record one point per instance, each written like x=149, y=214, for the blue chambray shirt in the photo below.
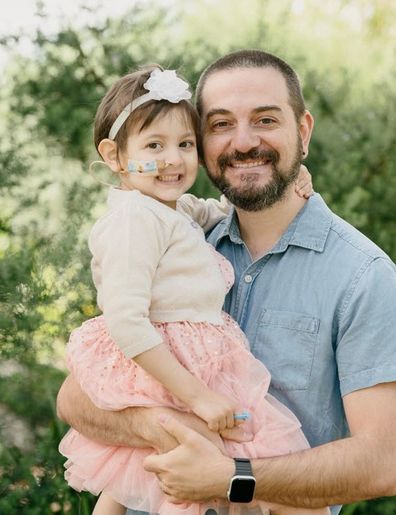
x=319, y=310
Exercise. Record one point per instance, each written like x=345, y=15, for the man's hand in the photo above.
x=194, y=471
x=157, y=437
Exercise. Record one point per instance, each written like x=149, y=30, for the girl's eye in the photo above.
x=154, y=145
x=187, y=144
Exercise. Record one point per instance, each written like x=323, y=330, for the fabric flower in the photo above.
x=166, y=85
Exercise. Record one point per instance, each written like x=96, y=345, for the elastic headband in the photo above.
x=162, y=85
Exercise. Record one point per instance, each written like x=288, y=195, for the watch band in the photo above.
x=243, y=483
x=243, y=467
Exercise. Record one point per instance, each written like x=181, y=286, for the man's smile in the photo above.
x=250, y=164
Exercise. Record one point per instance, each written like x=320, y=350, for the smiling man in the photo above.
x=316, y=299
x=252, y=150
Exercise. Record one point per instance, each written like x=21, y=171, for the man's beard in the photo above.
x=251, y=197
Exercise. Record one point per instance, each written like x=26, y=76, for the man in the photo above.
x=316, y=299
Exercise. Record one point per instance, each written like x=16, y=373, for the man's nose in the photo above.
x=244, y=139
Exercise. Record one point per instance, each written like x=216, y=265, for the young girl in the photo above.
x=163, y=339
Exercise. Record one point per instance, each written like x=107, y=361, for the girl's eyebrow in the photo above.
x=165, y=134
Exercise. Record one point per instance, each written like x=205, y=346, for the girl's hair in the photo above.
x=125, y=90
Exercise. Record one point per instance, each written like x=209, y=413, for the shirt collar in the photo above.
x=116, y=196
x=309, y=229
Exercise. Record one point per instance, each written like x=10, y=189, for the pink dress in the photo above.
x=219, y=356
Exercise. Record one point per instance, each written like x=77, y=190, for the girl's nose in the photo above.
x=173, y=156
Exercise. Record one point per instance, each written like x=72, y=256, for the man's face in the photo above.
x=252, y=143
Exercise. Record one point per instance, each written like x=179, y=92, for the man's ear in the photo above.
x=306, y=126
x=108, y=150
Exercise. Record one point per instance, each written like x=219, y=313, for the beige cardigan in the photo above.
x=152, y=263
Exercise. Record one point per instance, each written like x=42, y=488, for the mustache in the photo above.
x=225, y=160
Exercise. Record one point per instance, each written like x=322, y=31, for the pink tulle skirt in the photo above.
x=216, y=354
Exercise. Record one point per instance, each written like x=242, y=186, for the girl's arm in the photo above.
x=129, y=243
x=215, y=409
x=303, y=184
x=208, y=212
x=205, y=212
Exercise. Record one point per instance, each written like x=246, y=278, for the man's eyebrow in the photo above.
x=213, y=112
x=259, y=109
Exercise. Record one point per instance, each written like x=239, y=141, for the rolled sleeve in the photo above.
x=205, y=212
x=366, y=349
x=132, y=244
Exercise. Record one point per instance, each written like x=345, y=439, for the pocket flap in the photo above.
x=290, y=320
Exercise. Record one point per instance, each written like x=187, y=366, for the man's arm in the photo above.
x=110, y=427
x=130, y=427
x=362, y=466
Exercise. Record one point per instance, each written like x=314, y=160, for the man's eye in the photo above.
x=266, y=121
x=220, y=124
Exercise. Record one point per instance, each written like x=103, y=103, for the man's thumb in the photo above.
x=175, y=428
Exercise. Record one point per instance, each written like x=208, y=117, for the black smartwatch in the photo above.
x=242, y=483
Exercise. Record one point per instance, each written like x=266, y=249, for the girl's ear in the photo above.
x=108, y=150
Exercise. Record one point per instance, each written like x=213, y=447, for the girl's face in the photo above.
x=169, y=138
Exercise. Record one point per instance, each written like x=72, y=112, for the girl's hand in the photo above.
x=303, y=184
x=217, y=410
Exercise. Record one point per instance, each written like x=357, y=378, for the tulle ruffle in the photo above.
x=218, y=356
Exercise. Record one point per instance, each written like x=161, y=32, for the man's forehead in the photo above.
x=227, y=89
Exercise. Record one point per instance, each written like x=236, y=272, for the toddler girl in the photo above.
x=163, y=339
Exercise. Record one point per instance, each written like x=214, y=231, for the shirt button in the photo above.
x=248, y=278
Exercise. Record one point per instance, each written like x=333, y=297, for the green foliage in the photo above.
x=383, y=506
x=32, y=482
x=344, y=52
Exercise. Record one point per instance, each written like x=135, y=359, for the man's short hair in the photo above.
x=255, y=59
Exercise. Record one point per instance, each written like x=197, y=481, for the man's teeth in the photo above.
x=249, y=165
x=169, y=178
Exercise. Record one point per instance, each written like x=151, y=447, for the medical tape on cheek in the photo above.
x=146, y=168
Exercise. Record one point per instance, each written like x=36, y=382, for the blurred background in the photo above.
x=56, y=61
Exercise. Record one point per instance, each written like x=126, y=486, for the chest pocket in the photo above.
x=285, y=342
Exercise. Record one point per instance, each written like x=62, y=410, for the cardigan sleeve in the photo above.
x=206, y=212
x=130, y=245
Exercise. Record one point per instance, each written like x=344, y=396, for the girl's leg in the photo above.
x=107, y=506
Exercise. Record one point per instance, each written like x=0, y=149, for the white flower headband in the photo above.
x=162, y=85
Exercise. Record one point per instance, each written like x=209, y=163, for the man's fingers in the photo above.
x=181, y=432
x=154, y=463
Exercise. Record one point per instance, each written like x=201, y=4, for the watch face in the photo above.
x=242, y=489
